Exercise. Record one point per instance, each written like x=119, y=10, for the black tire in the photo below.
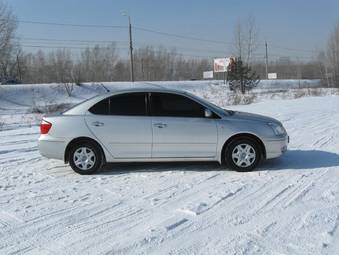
x=238, y=164
x=97, y=158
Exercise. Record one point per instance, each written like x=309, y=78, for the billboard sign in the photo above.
x=221, y=64
x=208, y=75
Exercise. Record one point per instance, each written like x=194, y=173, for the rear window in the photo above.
x=101, y=108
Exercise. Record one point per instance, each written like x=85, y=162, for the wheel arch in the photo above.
x=243, y=135
x=81, y=140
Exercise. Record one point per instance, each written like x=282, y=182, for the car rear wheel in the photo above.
x=85, y=158
x=243, y=154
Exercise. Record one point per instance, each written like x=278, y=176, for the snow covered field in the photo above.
x=289, y=206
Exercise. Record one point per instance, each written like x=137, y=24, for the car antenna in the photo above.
x=107, y=90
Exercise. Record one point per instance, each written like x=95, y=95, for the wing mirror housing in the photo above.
x=208, y=113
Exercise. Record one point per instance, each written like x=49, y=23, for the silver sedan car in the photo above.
x=139, y=125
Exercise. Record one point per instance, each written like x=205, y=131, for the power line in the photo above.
x=82, y=45
x=69, y=40
x=59, y=47
x=179, y=36
x=70, y=25
x=120, y=27
x=155, y=32
x=105, y=42
x=62, y=43
x=291, y=49
x=51, y=45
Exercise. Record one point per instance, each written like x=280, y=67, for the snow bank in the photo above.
x=52, y=97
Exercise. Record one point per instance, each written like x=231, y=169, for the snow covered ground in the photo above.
x=289, y=206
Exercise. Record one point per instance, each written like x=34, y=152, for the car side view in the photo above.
x=139, y=125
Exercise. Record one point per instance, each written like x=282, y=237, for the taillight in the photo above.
x=45, y=126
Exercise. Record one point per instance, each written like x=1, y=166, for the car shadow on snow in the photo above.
x=302, y=159
x=291, y=160
x=123, y=168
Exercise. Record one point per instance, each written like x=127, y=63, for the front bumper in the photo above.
x=275, y=148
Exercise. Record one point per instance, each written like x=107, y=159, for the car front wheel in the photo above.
x=85, y=158
x=243, y=155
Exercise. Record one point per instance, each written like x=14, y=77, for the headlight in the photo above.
x=278, y=129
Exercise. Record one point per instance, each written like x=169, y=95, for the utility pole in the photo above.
x=130, y=46
x=266, y=60
x=131, y=49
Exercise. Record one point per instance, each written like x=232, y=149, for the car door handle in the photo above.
x=160, y=125
x=97, y=123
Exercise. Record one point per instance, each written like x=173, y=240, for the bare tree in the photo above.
x=251, y=39
x=8, y=25
x=61, y=62
x=239, y=40
x=333, y=54
x=98, y=63
x=246, y=39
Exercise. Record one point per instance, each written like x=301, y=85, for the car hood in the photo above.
x=252, y=117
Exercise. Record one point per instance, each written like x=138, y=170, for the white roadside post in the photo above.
x=208, y=75
x=272, y=76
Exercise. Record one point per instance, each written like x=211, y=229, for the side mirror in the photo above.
x=208, y=113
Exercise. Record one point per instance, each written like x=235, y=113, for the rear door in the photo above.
x=180, y=129
x=122, y=124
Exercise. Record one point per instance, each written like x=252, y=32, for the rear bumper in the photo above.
x=276, y=148
x=50, y=147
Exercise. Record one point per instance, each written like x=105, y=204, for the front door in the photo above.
x=180, y=128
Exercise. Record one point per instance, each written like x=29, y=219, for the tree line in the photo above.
x=103, y=63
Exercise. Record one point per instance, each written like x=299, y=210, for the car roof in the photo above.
x=141, y=90
x=146, y=90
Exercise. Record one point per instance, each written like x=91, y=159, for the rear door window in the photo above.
x=131, y=104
